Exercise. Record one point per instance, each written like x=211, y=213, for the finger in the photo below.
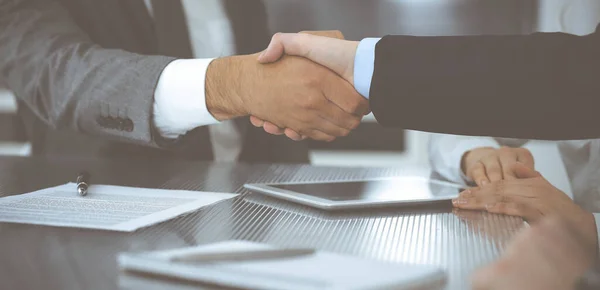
x=518, y=188
x=515, y=209
x=326, y=33
x=508, y=158
x=293, y=44
x=341, y=119
x=479, y=198
x=276, y=48
x=335, y=115
x=335, y=54
x=256, y=121
x=288, y=43
x=294, y=135
x=467, y=215
x=343, y=95
x=492, y=167
x=319, y=136
x=522, y=171
x=321, y=115
x=478, y=174
x=524, y=156
x=329, y=127
x=469, y=199
x=272, y=129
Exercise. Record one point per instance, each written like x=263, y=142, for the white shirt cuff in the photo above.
x=597, y=217
x=364, y=64
x=180, y=99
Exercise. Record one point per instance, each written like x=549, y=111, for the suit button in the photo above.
x=128, y=125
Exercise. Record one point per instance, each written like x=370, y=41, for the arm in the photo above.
x=69, y=81
x=539, y=86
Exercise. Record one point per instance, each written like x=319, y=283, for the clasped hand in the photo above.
x=329, y=50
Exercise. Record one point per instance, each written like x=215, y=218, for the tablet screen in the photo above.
x=408, y=188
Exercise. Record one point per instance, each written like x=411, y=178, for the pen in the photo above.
x=242, y=256
x=83, y=180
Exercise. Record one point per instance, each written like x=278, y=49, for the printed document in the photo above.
x=105, y=207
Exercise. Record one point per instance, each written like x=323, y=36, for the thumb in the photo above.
x=279, y=45
x=522, y=171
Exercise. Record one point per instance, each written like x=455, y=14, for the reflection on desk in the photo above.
x=35, y=257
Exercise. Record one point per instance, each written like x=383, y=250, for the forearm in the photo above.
x=539, y=86
x=67, y=80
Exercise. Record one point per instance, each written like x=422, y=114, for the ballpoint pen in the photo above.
x=83, y=180
x=242, y=256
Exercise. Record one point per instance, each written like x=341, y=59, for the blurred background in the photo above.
x=370, y=144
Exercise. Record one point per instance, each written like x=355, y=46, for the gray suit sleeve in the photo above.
x=71, y=82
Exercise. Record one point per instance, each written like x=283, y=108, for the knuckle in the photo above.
x=344, y=132
x=478, y=167
x=489, y=159
x=304, y=132
x=354, y=123
x=355, y=105
x=525, y=152
x=505, y=149
x=277, y=36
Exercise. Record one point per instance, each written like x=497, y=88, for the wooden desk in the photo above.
x=38, y=257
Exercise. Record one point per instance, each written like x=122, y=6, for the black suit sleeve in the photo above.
x=539, y=86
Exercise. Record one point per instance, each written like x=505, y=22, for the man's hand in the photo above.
x=486, y=164
x=324, y=47
x=546, y=256
x=292, y=93
x=336, y=54
x=531, y=197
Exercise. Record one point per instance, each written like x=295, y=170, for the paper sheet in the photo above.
x=105, y=207
x=323, y=270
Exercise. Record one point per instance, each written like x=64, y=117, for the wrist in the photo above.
x=223, y=88
x=349, y=73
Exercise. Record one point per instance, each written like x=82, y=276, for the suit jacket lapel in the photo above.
x=249, y=23
x=171, y=29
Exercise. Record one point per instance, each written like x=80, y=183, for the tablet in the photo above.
x=408, y=190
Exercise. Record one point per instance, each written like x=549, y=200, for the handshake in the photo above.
x=301, y=86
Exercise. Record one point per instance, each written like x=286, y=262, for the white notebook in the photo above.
x=321, y=270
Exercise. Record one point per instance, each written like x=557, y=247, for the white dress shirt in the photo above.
x=581, y=159
x=179, y=99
